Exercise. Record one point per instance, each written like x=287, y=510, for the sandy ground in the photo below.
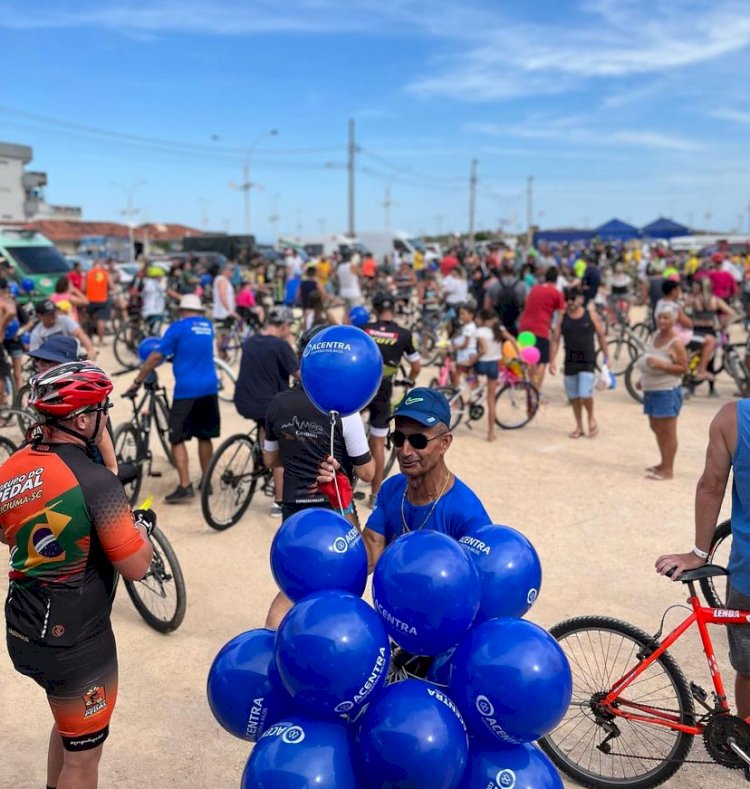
x=596, y=522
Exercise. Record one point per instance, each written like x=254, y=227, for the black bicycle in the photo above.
x=232, y=478
x=132, y=440
x=160, y=597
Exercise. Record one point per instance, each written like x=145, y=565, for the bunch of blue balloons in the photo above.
x=329, y=698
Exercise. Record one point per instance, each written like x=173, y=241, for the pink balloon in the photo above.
x=531, y=355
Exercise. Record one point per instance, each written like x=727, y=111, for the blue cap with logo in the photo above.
x=426, y=406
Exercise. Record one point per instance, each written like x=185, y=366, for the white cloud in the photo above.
x=737, y=116
x=572, y=131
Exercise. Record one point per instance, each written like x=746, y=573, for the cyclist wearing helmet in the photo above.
x=267, y=363
x=154, y=294
x=394, y=342
x=70, y=530
x=98, y=293
x=297, y=440
x=51, y=323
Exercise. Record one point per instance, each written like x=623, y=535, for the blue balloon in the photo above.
x=27, y=284
x=412, y=736
x=441, y=668
x=511, y=681
x=509, y=569
x=13, y=288
x=206, y=280
x=358, y=315
x=318, y=549
x=26, y=338
x=146, y=346
x=12, y=329
x=332, y=653
x=302, y=753
x=244, y=689
x=341, y=369
x=426, y=588
x=517, y=766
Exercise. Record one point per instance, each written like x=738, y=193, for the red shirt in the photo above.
x=541, y=304
x=76, y=279
x=724, y=285
x=447, y=264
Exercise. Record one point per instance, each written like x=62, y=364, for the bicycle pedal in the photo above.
x=698, y=693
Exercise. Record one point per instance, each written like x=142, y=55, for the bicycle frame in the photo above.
x=702, y=616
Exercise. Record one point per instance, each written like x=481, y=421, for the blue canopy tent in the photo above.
x=615, y=230
x=665, y=228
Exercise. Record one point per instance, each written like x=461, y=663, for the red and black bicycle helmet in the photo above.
x=69, y=389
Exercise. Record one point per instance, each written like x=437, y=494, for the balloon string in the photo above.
x=335, y=477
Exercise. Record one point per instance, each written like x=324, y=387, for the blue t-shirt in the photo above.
x=739, y=555
x=456, y=513
x=190, y=342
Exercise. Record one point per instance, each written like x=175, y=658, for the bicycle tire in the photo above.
x=715, y=589
x=455, y=401
x=7, y=448
x=632, y=377
x=163, y=573
x=240, y=484
x=127, y=445
x=733, y=362
x=577, y=640
x=620, y=352
x=642, y=331
x=226, y=379
x=161, y=423
x=126, y=350
x=523, y=400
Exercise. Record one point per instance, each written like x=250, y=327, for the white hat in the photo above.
x=191, y=302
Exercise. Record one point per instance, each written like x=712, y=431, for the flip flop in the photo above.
x=594, y=431
x=655, y=476
x=576, y=434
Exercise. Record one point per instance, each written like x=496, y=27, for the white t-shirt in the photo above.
x=468, y=332
x=62, y=325
x=456, y=291
x=154, y=297
x=348, y=282
x=294, y=266
x=494, y=351
x=219, y=311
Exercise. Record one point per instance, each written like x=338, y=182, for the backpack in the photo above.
x=507, y=303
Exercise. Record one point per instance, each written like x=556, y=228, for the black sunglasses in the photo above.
x=416, y=440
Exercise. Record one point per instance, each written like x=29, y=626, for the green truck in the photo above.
x=34, y=257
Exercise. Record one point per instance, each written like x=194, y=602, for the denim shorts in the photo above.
x=738, y=635
x=663, y=403
x=579, y=385
x=490, y=369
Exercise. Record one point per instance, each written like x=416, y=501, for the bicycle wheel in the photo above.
x=230, y=481
x=600, y=650
x=160, y=598
x=127, y=444
x=620, y=352
x=226, y=379
x=7, y=448
x=455, y=401
x=516, y=405
x=161, y=423
x=733, y=361
x=125, y=346
x=632, y=382
x=715, y=589
x=642, y=331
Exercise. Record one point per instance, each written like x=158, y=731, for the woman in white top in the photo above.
x=662, y=366
x=490, y=335
x=347, y=276
x=224, y=310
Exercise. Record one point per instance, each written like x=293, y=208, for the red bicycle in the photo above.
x=633, y=716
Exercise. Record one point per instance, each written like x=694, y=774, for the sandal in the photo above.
x=656, y=476
x=577, y=433
x=594, y=431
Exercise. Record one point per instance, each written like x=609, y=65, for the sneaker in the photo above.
x=180, y=495
x=276, y=511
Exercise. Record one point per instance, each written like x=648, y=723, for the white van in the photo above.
x=383, y=243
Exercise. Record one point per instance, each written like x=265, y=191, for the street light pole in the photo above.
x=130, y=212
x=246, y=184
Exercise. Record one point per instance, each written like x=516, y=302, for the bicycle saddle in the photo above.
x=707, y=571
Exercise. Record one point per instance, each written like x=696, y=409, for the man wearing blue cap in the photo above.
x=426, y=494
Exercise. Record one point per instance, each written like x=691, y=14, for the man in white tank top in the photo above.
x=224, y=306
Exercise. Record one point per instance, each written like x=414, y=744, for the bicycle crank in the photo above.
x=727, y=740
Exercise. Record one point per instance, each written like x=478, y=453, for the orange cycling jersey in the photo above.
x=97, y=284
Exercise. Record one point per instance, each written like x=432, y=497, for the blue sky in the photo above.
x=617, y=108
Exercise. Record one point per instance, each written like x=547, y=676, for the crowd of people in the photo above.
x=476, y=304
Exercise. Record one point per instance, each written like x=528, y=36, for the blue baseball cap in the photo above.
x=426, y=406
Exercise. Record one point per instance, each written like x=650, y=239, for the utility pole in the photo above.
x=530, y=211
x=439, y=224
x=472, y=198
x=351, y=166
x=274, y=218
x=387, y=203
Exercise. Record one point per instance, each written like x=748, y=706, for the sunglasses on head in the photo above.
x=416, y=440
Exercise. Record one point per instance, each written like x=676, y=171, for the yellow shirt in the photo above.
x=691, y=265
x=323, y=269
x=418, y=261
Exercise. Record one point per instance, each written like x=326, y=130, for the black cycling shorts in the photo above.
x=100, y=310
x=380, y=411
x=195, y=417
x=80, y=682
